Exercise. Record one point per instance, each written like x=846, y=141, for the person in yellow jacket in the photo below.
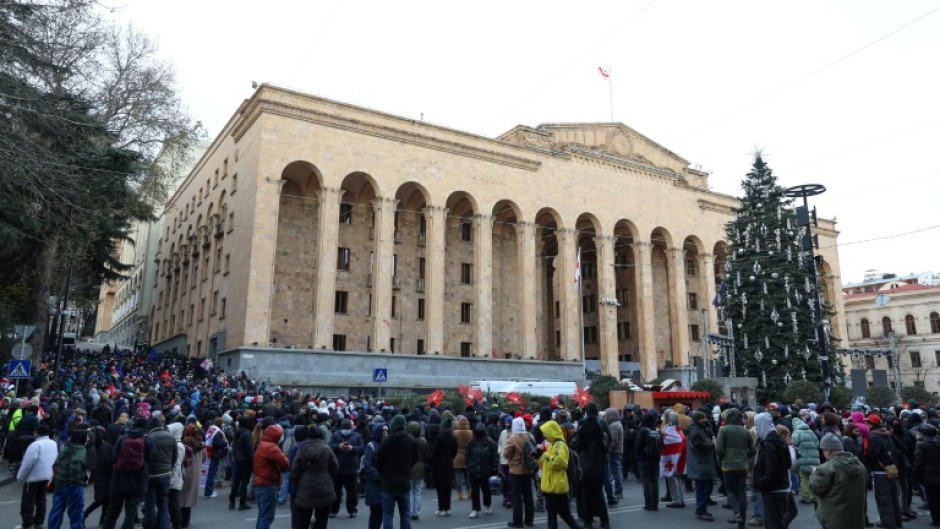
x=554, y=463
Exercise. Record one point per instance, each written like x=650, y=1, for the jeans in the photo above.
x=176, y=515
x=758, y=500
x=608, y=488
x=523, y=510
x=210, y=475
x=33, y=503
x=507, y=484
x=414, y=499
x=347, y=482
x=736, y=489
x=71, y=497
x=375, y=517
x=649, y=475
x=779, y=510
x=615, y=462
x=703, y=491
x=461, y=480
x=266, y=496
x=157, y=504
x=127, y=502
x=320, y=515
x=285, y=487
x=389, y=501
x=477, y=484
x=557, y=506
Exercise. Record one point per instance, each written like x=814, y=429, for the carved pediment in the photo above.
x=614, y=139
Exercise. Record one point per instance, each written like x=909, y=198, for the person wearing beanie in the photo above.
x=347, y=445
x=394, y=459
x=701, y=462
x=35, y=471
x=441, y=459
x=839, y=486
x=523, y=509
x=927, y=468
x=734, y=447
x=69, y=478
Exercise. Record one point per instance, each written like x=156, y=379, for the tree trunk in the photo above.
x=37, y=310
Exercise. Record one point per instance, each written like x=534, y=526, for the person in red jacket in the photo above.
x=269, y=463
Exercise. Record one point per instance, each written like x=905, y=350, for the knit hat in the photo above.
x=79, y=436
x=397, y=424
x=830, y=442
x=518, y=425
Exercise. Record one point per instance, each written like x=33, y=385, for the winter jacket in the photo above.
x=348, y=461
x=463, y=435
x=418, y=470
x=481, y=454
x=312, y=474
x=701, y=452
x=592, y=448
x=269, y=460
x=616, y=430
x=927, y=461
x=806, y=444
x=880, y=451
x=38, y=460
x=733, y=447
x=176, y=475
x=104, y=467
x=70, y=466
x=125, y=481
x=839, y=487
x=554, y=461
x=373, y=480
x=162, y=459
x=242, y=449
x=395, y=458
x=772, y=464
x=515, y=447
x=442, y=458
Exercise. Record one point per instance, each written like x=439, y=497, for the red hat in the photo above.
x=874, y=419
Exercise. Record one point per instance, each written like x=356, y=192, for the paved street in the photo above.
x=214, y=513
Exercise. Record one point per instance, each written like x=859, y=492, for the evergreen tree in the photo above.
x=767, y=297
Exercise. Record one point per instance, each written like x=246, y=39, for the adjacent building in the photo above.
x=313, y=236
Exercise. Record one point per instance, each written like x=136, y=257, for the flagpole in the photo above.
x=581, y=316
x=610, y=80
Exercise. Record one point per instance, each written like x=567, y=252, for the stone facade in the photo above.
x=313, y=224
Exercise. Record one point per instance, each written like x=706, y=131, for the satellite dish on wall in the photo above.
x=881, y=300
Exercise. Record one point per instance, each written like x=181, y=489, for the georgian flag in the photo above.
x=673, y=446
x=577, y=270
x=605, y=74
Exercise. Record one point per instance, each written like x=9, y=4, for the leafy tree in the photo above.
x=600, y=390
x=915, y=393
x=712, y=386
x=841, y=397
x=880, y=396
x=768, y=291
x=804, y=390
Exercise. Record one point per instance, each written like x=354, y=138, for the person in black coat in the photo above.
x=242, y=458
x=128, y=487
x=878, y=457
x=927, y=468
x=101, y=476
x=482, y=458
x=592, y=446
x=772, y=474
x=441, y=460
x=394, y=459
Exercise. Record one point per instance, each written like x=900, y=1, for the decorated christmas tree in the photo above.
x=767, y=295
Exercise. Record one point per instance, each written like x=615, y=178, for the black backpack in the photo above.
x=654, y=444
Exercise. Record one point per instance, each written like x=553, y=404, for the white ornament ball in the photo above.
x=774, y=361
x=751, y=278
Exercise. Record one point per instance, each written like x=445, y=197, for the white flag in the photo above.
x=577, y=270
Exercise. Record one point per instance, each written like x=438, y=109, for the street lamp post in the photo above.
x=804, y=217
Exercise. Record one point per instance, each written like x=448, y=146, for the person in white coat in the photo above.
x=35, y=472
x=176, y=475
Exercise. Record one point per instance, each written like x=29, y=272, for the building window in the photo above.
x=557, y=338
x=465, y=312
x=422, y=266
x=935, y=323
x=394, y=306
x=691, y=267
x=466, y=232
x=342, y=259
x=589, y=303
x=915, y=359
x=623, y=296
x=341, y=304
x=234, y=183
x=215, y=303
x=919, y=383
x=590, y=334
x=192, y=310
x=910, y=325
x=420, y=347
x=202, y=308
x=391, y=344
x=588, y=270
x=218, y=259
x=694, y=333
x=623, y=331
x=339, y=342
x=222, y=309
x=466, y=273
x=420, y=309
x=936, y=357
x=693, y=301
x=870, y=361
x=345, y=213
x=195, y=276
x=465, y=348
x=557, y=309
x=886, y=326
x=225, y=267
x=866, y=331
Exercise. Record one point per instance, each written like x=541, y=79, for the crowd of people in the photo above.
x=153, y=434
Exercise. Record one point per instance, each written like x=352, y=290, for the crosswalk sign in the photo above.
x=20, y=368
x=380, y=375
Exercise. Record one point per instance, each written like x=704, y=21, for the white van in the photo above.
x=542, y=388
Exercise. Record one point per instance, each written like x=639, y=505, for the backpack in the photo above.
x=654, y=444
x=219, y=445
x=574, y=467
x=529, y=464
x=131, y=456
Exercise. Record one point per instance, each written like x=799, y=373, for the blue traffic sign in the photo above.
x=380, y=375
x=20, y=368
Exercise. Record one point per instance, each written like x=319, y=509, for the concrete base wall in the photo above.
x=314, y=368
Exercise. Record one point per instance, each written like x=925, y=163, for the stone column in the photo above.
x=483, y=284
x=679, y=308
x=607, y=312
x=383, y=246
x=260, y=276
x=645, y=325
x=707, y=265
x=436, y=219
x=569, y=295
x=528, y=301
x=327, y=235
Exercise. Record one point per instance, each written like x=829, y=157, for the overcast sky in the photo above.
x=846, y=94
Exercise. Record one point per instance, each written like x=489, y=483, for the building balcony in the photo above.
x=396, y=283
x=419, y=285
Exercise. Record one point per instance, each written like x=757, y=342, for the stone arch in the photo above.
x=460, y=236
x=587, y=228
x=508, y=304
x=549, y=315
x=293, y=307
x=413, y=261
x=359, y=188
